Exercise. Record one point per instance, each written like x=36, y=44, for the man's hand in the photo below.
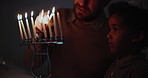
x=40, y=21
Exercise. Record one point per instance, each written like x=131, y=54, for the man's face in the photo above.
x=87, y=9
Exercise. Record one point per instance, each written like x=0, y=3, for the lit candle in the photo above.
x=23, y=27
x=33, y=26
x=51, y=15
x=18, y=17
x=49, y=18
x=28, y=28
x=59, y=21
x=54, y=21
x=43, y=23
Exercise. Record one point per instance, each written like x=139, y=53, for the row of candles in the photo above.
x=49, y=15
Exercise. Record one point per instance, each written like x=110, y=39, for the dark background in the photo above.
x=10, y=50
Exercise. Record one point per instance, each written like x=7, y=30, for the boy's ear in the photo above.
x=138, y=37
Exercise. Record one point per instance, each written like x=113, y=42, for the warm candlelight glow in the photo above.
x=20, y=17
x=20, y=28
x=51, y=15
x=44, y=20
x=54, y=21
x=53, y=10
x=48, y=12
x=33, y=26
x=28, y=27
x=23, y=27
x=43, y=23
x=26, y=15
x=49, y=18
x=42, y=13
x=32, y=13
x=59, y=21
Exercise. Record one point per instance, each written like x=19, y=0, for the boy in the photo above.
x=127, y=37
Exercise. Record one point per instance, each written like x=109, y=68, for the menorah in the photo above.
x=50, y=36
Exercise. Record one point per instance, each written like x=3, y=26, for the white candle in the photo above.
x=23, y=27
x=27, y=23
x=59, y=21
x=43, y=23
x=54, y=21
x=20, y=28
x=33, y=26
x=49, y=18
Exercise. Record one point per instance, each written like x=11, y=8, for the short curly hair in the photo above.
x=134, y=17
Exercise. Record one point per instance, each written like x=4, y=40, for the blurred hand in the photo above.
x=40, y=21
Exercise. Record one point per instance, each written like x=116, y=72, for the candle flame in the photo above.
x=18, y=17
x=26, y=15
x=57, y=13
x=48, y=12
x=53, y=9
x=42, y=14
x=32, y=13
x=50, y=15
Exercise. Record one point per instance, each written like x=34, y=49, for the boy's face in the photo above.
x=86, y=9
x=120, y=37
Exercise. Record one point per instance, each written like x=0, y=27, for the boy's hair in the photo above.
x=135, y=18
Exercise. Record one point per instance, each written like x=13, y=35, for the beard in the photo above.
x=83, y=13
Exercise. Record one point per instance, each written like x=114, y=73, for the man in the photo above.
x=84, y=53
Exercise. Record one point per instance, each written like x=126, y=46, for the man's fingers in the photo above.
x=38, y=31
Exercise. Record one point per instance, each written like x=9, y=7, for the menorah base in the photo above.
x=43, y=70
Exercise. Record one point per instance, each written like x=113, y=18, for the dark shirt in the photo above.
x=84, y=53
x=132, y=66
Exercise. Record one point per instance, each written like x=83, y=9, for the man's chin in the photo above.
x=82, y=18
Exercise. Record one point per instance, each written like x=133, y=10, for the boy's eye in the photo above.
x=115, y=29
